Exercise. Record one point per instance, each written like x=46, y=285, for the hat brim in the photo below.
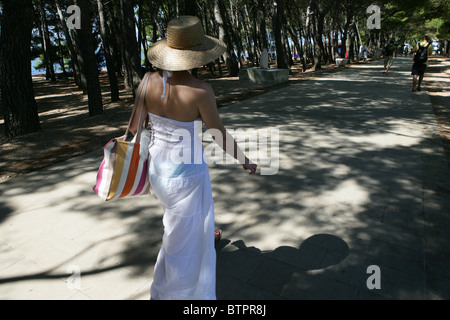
x=164, y=57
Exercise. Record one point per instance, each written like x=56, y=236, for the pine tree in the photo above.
x=17, y=96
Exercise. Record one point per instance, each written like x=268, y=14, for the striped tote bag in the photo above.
x=124, y=169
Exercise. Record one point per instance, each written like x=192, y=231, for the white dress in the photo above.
x=186, y=264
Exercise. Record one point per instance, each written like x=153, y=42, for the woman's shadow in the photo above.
x=247, y=273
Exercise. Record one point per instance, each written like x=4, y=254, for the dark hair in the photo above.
x=426, y=38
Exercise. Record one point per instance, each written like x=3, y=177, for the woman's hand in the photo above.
x=251, y=167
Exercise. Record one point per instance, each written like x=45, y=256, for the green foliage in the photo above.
x=415, y=18
x=444, y=30
x=39, y=63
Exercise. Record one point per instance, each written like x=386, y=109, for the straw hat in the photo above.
x=185, y=47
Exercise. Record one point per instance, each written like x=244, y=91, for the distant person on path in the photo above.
x=178, y=102
x=389, y=51
x=421, y=53
x=363, y=52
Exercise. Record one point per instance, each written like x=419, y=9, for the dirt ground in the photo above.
x=67, y=130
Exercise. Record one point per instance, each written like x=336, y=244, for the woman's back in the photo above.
x=182, y=97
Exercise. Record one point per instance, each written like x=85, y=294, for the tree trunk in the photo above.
x=132, y=57
x=224, y=35
x=335, y=45
x=190, y=8
x=73, y=53
x=303, y=52
x=349, y=39
x=116, y=41
x=61, y=52
x=88, y=62
x=319, y=48
x=233, y=25
x=282, y=62
x=308, y=55
x=142, y=38
x=318, y=43
x=360, y=43
x=262, y=25
x=289, y=54
x=295, y=39
x=345, y=40
x=18, y=103
x=108, y=56
x=46, y=45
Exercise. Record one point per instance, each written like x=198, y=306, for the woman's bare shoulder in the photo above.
x=154, y=75
x=204, y=88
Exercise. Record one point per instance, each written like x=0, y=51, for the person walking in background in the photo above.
x=421, y=52
x=363, y=53
x=177, y=104
x=389, y=51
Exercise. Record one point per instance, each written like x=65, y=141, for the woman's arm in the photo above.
x=135, y=121
x=211, y=118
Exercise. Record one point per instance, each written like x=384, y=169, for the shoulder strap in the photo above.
x=139, y=103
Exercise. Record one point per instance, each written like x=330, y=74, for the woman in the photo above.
x=177, y=103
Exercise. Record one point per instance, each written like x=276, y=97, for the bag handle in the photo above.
x=138, y=102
